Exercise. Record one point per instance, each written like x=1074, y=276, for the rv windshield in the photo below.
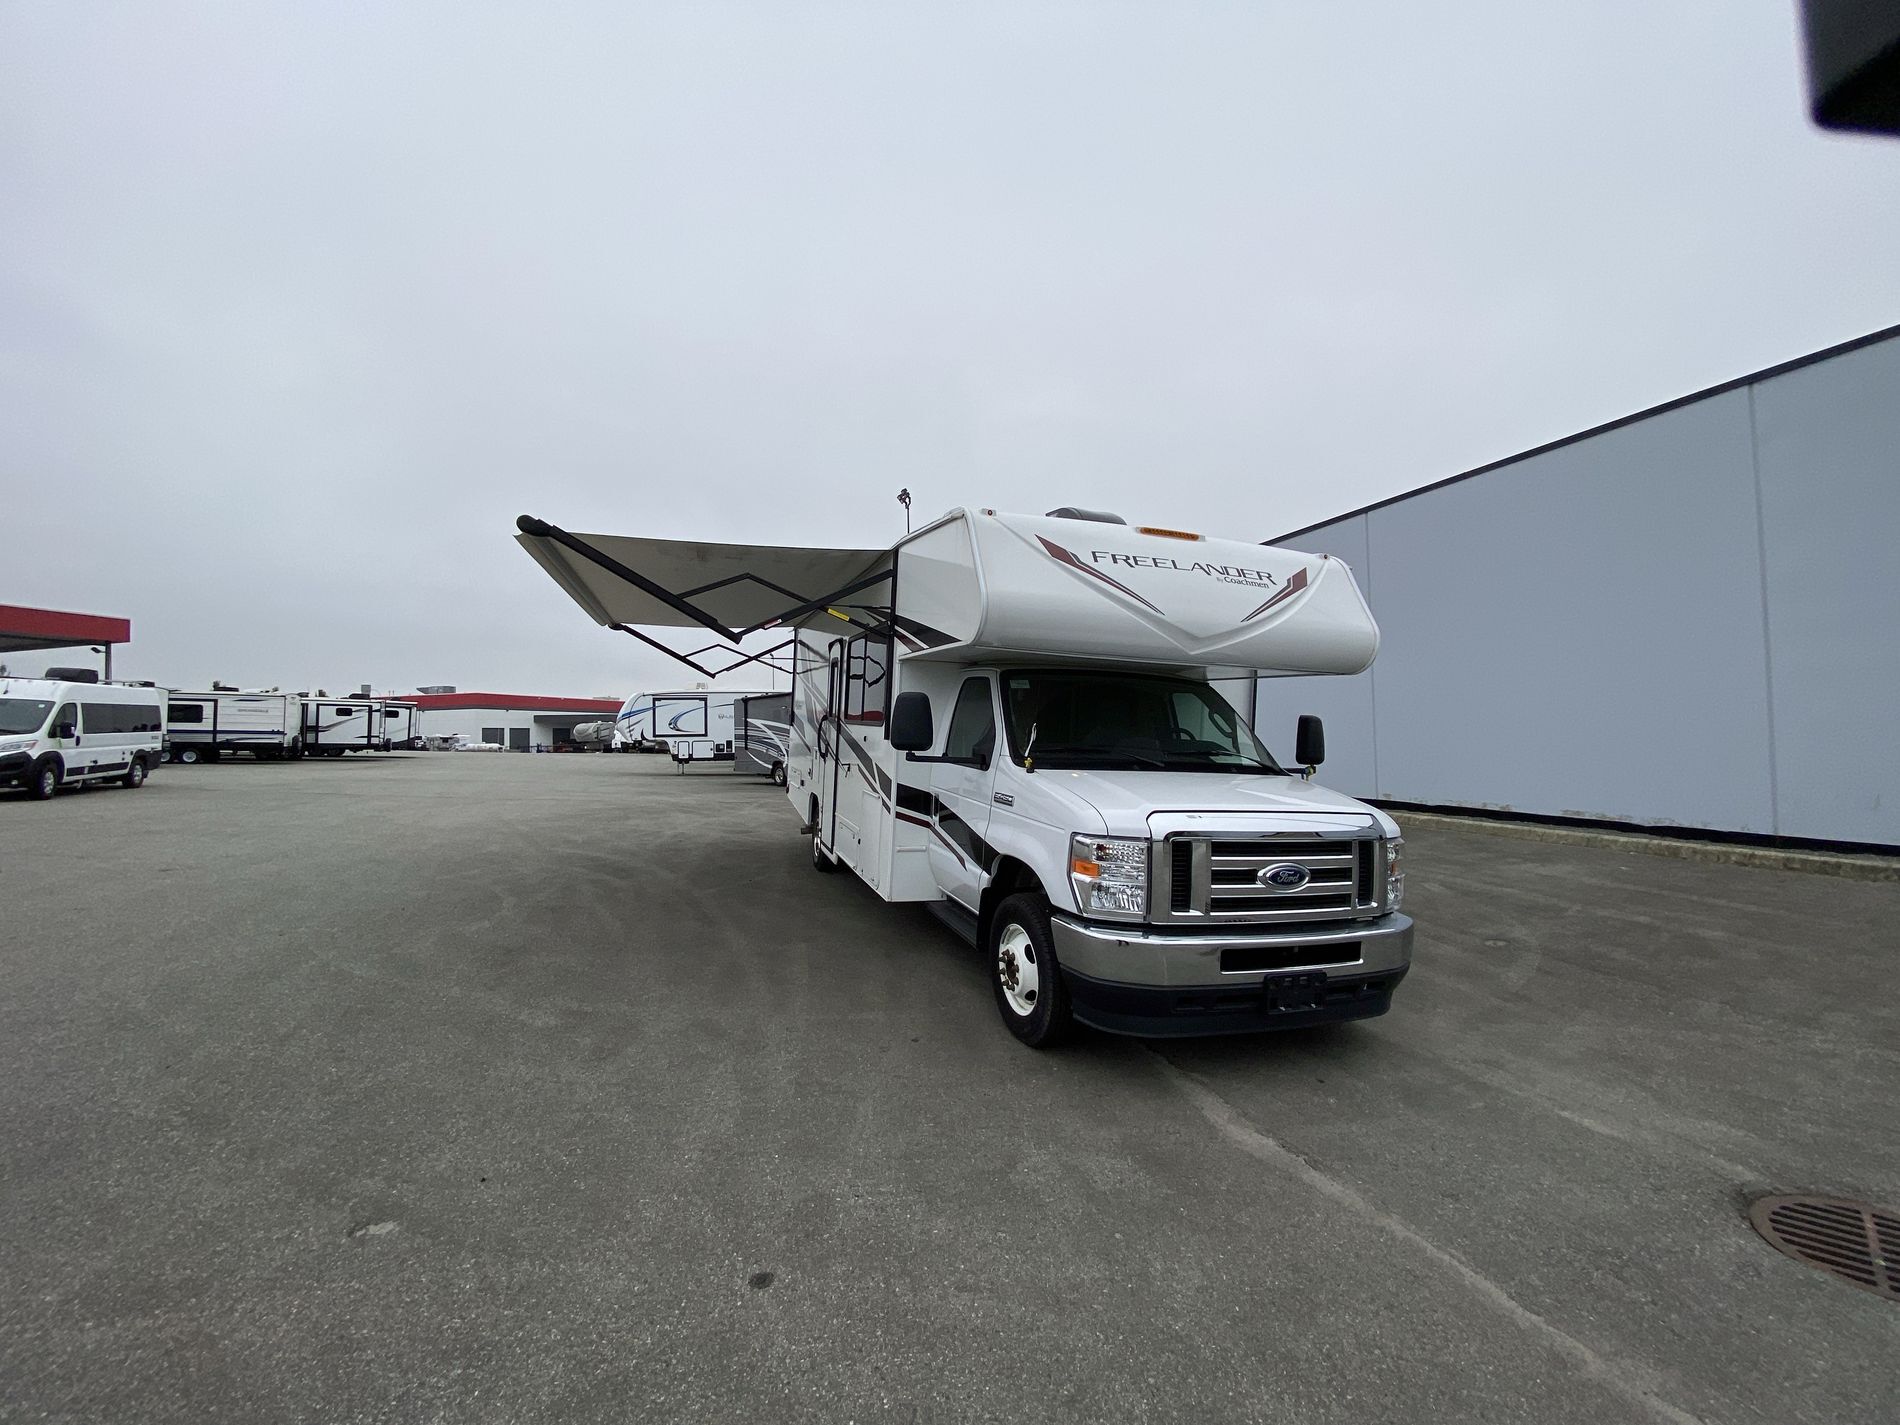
x=1103, y=719
x=22, y=714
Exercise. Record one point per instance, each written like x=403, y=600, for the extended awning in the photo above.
x=733, y=590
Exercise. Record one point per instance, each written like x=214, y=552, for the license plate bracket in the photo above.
x=1288, y=994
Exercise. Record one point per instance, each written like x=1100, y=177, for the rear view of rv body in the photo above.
x=1017, y=719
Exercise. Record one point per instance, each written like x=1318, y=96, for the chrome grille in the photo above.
x=1215, y=878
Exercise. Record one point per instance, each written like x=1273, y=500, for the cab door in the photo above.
x=961, y=785
x=70, y=746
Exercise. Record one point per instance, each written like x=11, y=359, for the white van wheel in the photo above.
x=134, y=775
x=45, y=780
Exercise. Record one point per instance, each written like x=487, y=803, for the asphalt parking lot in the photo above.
x=502, y=1088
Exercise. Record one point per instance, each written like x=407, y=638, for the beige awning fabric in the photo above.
x=687, y=569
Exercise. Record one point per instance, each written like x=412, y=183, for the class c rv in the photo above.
x=1018, y=720
x=59, y=734
x=696, y=725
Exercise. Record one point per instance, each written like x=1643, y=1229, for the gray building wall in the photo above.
x=1684, y=620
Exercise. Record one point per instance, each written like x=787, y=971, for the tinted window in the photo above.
x=187, y=712
x=67, y=714
x=973, y=724
x=345, y=712
x=117, y=717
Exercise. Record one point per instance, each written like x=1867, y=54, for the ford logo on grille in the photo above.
x=1285, y=877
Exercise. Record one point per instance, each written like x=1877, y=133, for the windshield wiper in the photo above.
x=1105, y=754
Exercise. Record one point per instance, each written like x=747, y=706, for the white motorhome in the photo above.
x=1017, y=719
x=55, y=734
x=695, y=725
x=205, y=726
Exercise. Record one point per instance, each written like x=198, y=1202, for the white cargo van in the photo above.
x=1017, y=719
x=55, y=734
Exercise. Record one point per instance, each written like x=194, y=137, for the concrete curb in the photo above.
x=1720, y=853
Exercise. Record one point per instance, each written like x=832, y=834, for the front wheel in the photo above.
x=134, y=775
x=44, y=781
x=1024, y=974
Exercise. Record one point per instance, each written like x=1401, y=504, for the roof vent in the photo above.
x=1070, y=512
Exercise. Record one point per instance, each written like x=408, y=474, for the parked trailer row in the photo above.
x=272, y=725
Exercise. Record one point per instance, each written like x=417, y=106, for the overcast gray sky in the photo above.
x=301, y=305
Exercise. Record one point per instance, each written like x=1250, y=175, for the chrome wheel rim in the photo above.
x=1017, y=971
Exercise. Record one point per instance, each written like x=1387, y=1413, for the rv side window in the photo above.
x=67, y=716
x=972, y=724
x=344, y=712
x=867, y=681
x=187, y=712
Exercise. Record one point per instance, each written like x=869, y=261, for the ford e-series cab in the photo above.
x=59, y=734
x=1020, y=721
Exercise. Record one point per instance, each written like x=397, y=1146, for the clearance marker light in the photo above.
x=1166, y=533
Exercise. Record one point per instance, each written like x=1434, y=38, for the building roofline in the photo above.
x=1767, y=373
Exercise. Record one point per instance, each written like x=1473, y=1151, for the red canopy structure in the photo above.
x=24, y=628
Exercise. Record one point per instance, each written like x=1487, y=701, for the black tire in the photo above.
x=43, y=781
x=819, y=860
x=1024, y=974
x=186, y=755
x=134, y=776
x=778, y=774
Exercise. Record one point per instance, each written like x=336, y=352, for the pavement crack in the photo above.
x=1633, y=1383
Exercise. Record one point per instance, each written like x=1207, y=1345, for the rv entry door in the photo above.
x=959, y=856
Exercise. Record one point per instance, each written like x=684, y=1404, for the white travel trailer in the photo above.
x=402, y=727
x=57, y=734
x=333, y=726
x=1017, y=719
x=204, y=726
x=695, y=725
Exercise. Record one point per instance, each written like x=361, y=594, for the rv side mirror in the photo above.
x=911, y=729
x=1309, y=747
x=65, y=729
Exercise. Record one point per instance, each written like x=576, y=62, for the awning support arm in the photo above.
x=811, y=606
x=689, y=659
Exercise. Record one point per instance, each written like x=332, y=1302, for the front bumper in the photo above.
x=1131, y=980
x=13, y=766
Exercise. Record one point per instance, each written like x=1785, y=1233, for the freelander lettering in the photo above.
x=1226, y=573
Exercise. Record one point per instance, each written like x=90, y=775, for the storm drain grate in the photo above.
x=1857, y=1242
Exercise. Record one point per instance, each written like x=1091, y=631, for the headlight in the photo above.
x=1110, y=876
x=18, y=744
x=1394, y=874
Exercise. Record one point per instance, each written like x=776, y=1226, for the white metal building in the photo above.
x=519, y=722
x=1680, y=619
